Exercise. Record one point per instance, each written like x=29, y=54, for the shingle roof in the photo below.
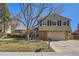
x=20, y=28
x=55, y=15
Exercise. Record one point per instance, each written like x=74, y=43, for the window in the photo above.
x=44, y=23
x=53, y=23
x=40, y=24
x=59, y=22
x=64, y=23
x=67, y=23
x=48, y=23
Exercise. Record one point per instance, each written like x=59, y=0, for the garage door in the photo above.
x=43, y=35
x=56, y=35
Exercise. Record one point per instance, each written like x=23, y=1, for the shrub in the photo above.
x=16, y=35
x=75, y=37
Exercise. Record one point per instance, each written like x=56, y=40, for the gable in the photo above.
x=55, y=17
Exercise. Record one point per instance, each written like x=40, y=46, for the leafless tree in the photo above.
x=31, y=14
x=58, y=9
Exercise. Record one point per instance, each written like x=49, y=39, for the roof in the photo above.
x=55, y=16
x=20, y=28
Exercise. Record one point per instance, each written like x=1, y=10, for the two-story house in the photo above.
x=55, y=27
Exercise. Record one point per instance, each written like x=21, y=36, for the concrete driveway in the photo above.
x=71, y=46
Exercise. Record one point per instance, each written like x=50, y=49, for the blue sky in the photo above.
x=71, y=11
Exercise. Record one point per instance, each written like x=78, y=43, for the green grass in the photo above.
x=23, y=46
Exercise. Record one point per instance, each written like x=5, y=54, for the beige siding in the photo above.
x=54, y=28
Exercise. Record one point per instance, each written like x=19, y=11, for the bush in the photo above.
x=75, y=37
x=16, y=35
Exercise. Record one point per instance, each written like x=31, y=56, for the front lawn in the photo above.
x=23, y=46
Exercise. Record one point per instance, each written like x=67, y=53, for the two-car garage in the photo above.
x=52, y=35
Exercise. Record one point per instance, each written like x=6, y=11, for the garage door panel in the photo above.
x=56, y=35
x=43, y=35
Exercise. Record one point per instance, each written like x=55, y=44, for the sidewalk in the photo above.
x=38, y=54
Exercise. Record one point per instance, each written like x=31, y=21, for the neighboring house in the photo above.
x=4, y=18
x=20, y=30
x=75, y=34
x=54, y=27
x=13, y=24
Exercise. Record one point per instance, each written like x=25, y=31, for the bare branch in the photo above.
x=43, y=18
x=32, y=14
x=41, y=10
x=18, y=16
x=23, y=11
x=58, y=9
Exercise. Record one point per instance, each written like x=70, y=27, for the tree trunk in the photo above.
x=28, y=35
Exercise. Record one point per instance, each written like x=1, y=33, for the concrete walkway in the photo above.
x=70, y=46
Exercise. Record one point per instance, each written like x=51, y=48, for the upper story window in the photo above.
x=64, y=23
x=67, y=23
x=53, y=23
x=40, y=23
x=48, y=23
x=44, y=23
x=59, y=23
